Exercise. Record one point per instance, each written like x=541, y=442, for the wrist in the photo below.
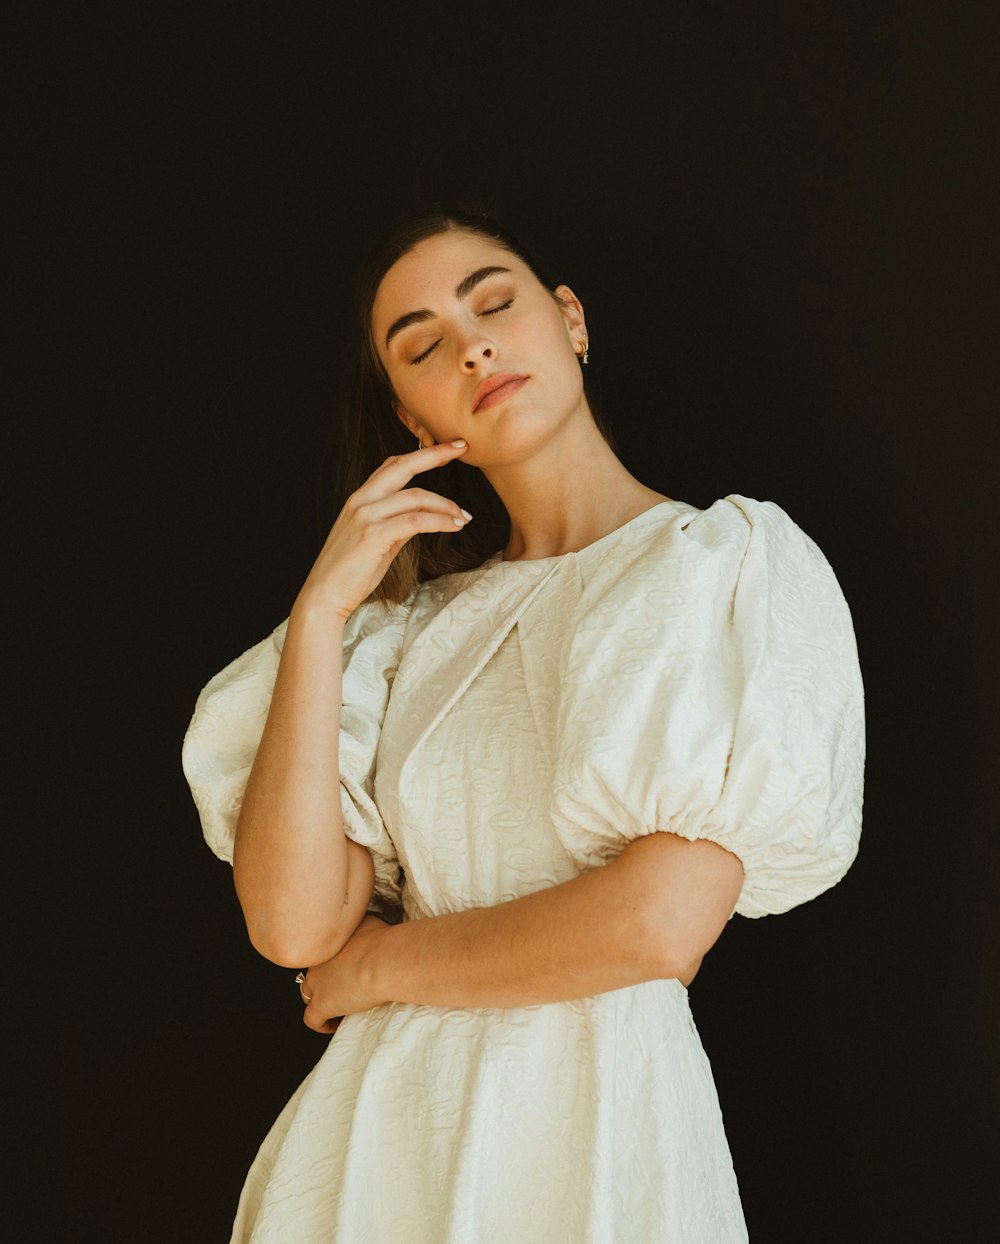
x=374, y=961
x=313, y=609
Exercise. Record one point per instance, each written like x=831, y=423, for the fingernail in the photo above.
x=458, y=444
x=468, y=516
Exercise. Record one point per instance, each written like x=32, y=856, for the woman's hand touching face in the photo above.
x=460, y=310
x=375, y=523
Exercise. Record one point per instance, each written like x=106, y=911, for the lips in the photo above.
x=509, y=382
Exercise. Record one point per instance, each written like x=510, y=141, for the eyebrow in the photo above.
x=464, y=289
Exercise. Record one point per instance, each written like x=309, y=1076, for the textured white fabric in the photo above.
x=504, y=730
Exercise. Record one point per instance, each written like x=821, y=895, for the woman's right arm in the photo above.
x=303, y=885
x=298, y=885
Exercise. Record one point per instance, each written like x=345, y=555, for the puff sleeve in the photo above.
x=228, y=721
x=738, y=712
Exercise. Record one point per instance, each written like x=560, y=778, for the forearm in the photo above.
x=292, y=868
x=583, y=937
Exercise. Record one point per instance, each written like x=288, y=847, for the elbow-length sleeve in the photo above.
x=739, y=716
x=228, y=721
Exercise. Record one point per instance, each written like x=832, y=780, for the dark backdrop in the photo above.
x=776, y=217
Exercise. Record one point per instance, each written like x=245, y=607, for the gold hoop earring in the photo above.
x=582, y=356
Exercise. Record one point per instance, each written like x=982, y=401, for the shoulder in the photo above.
x=681, y=538
x=768, y=551
x=752, y=531
x=688, y=559
x=736, y=517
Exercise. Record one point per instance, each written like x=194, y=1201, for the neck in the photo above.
x=568, y=493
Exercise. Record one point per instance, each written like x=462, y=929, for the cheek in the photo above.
x=554, y=356
x=427, y=396
x=547, y=342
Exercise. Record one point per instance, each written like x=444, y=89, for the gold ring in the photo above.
x=300, y=980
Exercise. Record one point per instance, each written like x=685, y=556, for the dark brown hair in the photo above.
x=372, y=431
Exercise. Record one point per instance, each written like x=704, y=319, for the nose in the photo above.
x=476, y=351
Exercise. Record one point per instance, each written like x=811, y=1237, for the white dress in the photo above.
x=503, y=730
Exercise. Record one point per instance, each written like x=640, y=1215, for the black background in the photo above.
x=780, y=220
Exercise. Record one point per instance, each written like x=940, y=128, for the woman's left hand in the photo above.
x=343, y=985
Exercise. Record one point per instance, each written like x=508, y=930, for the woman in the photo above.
x=569, y=743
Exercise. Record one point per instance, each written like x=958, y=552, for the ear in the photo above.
x=572, y=310
x=412, y=425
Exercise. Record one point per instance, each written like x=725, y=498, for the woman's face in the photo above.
x=459, y=310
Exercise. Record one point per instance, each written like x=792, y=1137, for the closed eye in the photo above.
x=426, y=354
x=431, y=348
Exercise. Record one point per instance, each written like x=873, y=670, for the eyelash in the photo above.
x=430, y=350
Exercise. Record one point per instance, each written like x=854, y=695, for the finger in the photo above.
x=414, y=499
x=313, y=1018
x=318, y=1022
x=390, y=534
x=395, y=472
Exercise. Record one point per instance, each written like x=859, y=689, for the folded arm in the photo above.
x=651, y=913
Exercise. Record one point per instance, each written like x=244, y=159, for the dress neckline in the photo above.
x=498, y=560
